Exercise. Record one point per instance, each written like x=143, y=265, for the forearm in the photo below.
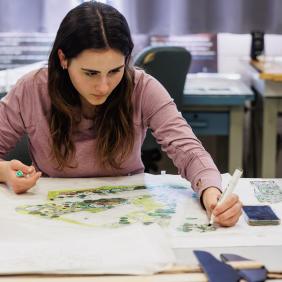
x=182, y=146
x=198, y=168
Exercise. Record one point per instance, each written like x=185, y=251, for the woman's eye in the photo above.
x=115, y=71
x=90, y=74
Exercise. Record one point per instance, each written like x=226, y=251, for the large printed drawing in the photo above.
x=115, y=206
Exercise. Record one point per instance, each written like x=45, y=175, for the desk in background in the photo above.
x=214, y=105
x=267, y=80
x=9, y=77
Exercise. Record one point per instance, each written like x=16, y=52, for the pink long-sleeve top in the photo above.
x=26, y=109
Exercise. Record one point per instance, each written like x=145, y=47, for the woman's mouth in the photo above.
x=98, y=96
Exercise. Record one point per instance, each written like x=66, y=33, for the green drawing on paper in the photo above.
x=136, y=203
x=115, y=206
x=189, y=226
x=103, y=190
x=54, y=210
x=267, y=191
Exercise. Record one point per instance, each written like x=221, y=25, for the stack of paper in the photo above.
x=135, y=249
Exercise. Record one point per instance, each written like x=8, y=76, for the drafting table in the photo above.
x=268, y=82
x=272, y=257
x=213, y=104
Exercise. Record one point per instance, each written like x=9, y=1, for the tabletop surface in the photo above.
x=260, y=240
x=216, y=84
x=268, y=69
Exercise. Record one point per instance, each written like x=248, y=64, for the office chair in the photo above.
x=169, y=65
x=20, y=152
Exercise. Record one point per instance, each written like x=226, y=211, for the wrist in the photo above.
x=209, y=193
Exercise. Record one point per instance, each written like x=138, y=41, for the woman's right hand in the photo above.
x=19, y=184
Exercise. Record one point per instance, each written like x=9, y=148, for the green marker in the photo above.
x=19, y=173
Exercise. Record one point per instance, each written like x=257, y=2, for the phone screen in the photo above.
x=260, y=215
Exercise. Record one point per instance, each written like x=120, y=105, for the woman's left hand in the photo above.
x=226, y=213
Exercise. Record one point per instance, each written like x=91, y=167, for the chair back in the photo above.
x=169, y=65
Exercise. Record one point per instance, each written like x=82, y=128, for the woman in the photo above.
x=86, y=115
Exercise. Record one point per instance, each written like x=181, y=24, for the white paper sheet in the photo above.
x=136, y=249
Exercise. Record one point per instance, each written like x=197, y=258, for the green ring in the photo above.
x=19, y=173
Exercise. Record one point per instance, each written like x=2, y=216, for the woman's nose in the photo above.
x=103, y=86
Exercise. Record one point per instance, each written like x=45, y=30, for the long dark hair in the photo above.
x=91, y=25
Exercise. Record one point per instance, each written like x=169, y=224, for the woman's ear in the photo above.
x=62, y=58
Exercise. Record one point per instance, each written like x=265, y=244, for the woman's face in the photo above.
x=95, y=74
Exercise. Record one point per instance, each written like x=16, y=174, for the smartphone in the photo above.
x=260, y=215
